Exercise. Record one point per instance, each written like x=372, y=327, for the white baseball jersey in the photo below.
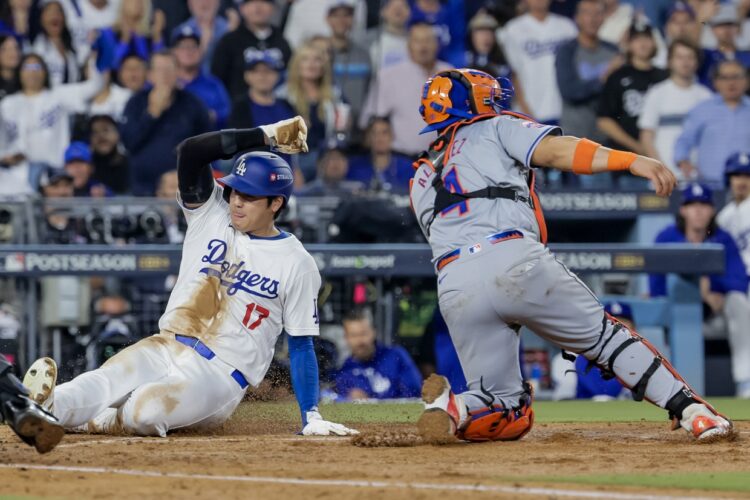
x=664, y=109
x=492, y=152
x=530, y=46
x=735, y=219
x=236, y=292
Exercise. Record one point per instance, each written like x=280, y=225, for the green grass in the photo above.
x=546, y=411
x=714, y=481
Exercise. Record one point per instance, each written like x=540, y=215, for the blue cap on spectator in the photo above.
x=681, y=7
x=271, y=58
x=51, y=175
x=619, y=310
x=185, y=32
x=697, y=193
x=78, y=151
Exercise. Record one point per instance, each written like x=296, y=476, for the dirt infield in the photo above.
x=264, y=460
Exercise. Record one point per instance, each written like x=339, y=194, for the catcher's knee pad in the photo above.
x=498, y=424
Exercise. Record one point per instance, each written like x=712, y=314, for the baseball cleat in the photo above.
x=36, y=426
x=444, y=412
x=40, y=380
x=703, y=424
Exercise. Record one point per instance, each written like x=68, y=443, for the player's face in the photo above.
x=262, y=78
x=683, y=62
x=360, y=337
x=341, y=21
x=697, y=215
x=740, y=187
x=251, y=214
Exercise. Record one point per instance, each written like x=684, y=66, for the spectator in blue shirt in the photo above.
x=137, y=30
x=374, y=371
x=723, y=295
x=259, y=105
x=381, y=168
x=716, y=127
x=156, y=120
x=726, y=28
x=447, y=18
x=204, y=19
x=206, y=87
x=79, y=167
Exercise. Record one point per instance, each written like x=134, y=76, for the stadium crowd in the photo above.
x=95, y=95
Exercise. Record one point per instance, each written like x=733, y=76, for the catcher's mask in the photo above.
x=459, y=94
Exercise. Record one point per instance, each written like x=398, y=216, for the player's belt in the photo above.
x=454, y=255
x=207, y=353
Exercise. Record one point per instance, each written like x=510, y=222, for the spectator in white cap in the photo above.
x=205, y=20
x=725, y=26
x=307, y=18
x=483, y=51
x=388, y=40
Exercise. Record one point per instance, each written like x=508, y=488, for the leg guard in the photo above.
x=496, y=423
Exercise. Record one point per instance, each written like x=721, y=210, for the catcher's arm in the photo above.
x=582, y=156
x=195, y=154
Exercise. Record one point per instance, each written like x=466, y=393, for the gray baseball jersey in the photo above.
x=492, y=152
x=493, y=284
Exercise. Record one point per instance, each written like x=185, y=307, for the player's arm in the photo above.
x=582, y=156
x=194, y=155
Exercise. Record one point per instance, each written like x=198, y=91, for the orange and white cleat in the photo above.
x=444, y=412
x=703, y=424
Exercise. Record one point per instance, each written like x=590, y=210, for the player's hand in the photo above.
x=316, y=426
x=660, y=176
x=287, y=136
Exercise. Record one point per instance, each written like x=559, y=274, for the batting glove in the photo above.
x=316, y=426
x=287, y=136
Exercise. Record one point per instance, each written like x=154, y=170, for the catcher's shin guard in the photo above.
x=496, y=423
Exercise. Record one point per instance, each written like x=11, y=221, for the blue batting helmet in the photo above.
x=737, y=164
x=259, y=174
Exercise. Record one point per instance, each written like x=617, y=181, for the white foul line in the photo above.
x=517, y=490
x=157, y=440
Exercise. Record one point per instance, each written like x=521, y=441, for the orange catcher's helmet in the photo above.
x=458, y=94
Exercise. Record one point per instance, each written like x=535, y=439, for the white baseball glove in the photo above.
x=316, y=426
x=287, y=136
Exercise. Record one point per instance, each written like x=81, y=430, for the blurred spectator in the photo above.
x=484, y=53
x=136, y=32
x=55, y=45
x=10, y=58
x=206, y=87
x=111, y=100
x=36, y=120
x=397, y=91
x=437, y=354
x=84, y=18
x=59, y=226
x=655, y=10
x=178, y=12
x=16, y=17
x=530, y=42
x=309, y=89
x=210, y=26
x=132, y=73
x=351, y=61
x=725, y=26
x=381, y=168
x=307, y=18
x=682, y=24
x=667, y=103
x=333, y=166
x=723, y=295
x=172, y=218
x=374, y=371
x=621, y=101
x=583, y=66
x=156, y=120
x=734, y=218
x=717, y=127
x=254, y=32
x=78, y=166
x=618, y=18
x=109, y=160
x=260, y=106
x=388, y=40
x=447, y=19
x=580, y=379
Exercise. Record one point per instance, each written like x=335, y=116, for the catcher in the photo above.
x=474, y=197
x=241, y=282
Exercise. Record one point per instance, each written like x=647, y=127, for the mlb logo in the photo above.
x=475, y=248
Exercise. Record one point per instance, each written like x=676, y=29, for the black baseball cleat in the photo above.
x=34, y=426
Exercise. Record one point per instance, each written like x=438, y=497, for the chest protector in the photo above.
x=438, y=155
